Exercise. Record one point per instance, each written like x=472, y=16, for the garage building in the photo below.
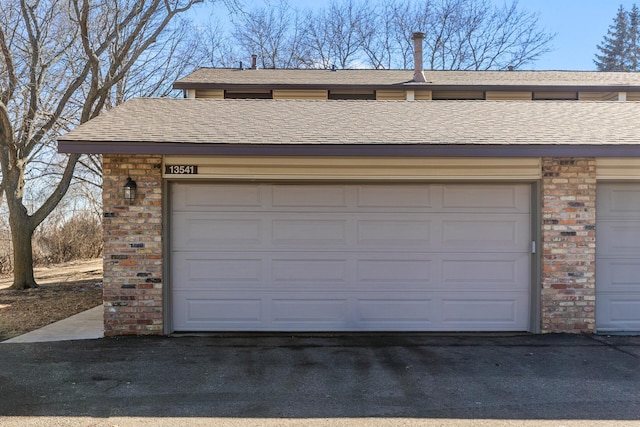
x=362, y=200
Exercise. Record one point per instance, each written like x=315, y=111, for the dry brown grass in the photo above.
x=65, y=290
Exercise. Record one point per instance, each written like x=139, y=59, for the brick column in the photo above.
x=132, y=246
x=568, y=243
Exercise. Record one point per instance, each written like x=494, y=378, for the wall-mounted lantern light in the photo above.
x=129, y=190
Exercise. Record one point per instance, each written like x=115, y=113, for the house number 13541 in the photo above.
x=181, y=169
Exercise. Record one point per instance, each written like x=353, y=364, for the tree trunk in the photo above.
x=21, y=235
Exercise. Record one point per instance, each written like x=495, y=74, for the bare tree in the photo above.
x=474, y=34
x=378, y=34
x=214, y=47
x=274, y=33
x=61, y=62
x=336, y=33
x=461, y=35
x=170, y=57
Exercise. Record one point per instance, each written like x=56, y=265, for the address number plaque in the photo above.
x=181, y=170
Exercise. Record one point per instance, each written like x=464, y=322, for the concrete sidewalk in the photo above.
x=316, y=380
x=82, y=326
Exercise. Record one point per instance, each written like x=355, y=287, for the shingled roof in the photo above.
x=213, y=78
x=504, y=128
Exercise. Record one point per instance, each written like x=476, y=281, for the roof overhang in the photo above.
x=243, y=87
x=372, y=150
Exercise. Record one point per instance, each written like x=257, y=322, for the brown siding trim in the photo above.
x=555, y=96
x=373, y=150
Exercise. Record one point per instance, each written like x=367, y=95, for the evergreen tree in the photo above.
x=620, y=49
x=633, y=47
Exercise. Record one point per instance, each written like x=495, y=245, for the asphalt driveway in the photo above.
x=323, y=380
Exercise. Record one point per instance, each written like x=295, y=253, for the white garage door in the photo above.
x=618, y=258
x=276, y=257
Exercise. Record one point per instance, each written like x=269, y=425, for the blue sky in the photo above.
x=579, y=25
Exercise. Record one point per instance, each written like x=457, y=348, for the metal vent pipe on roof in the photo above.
x=418, y=73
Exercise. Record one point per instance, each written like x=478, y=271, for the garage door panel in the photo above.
x=295, y=232
x=203, y=197
x=462, y=313
x=310, y=311
x=619, y=200
x=197, y=230
x=350, y=258
x=486, y=271
x=294, y=196
x=618, y=238
x=394, y=234
x=394, y=197
x=414, y=311
x=619, y=274
x=201, y=308
x=486, y=233
x=381, y=271
x=624, y=308
x=191, y=271
x=309, y=271
x=618, y=312
x=466, y=310
x=486, y=198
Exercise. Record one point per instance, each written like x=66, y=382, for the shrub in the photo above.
x=79, y=237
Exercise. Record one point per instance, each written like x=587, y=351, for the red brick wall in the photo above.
x=132, y=246
x=569, y=246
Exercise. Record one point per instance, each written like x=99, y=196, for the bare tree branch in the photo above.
x=60, y=67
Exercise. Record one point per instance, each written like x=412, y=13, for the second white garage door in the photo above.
x=618, y=258
x=275, y=257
